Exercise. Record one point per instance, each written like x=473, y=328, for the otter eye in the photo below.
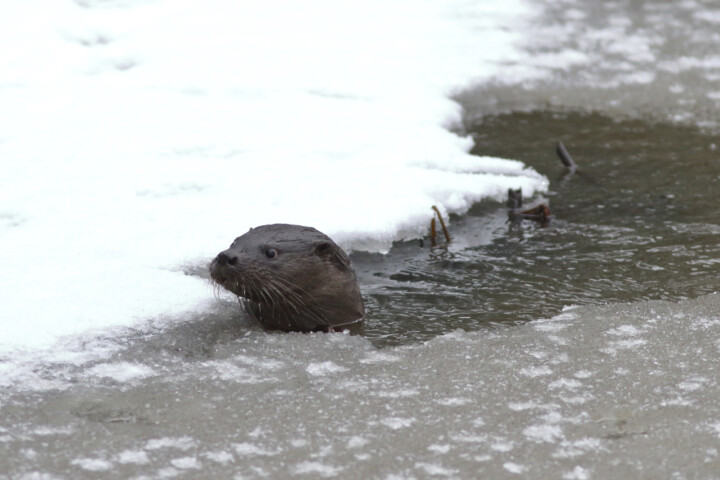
x=271, y=253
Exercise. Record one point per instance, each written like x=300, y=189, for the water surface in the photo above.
x=638, y=221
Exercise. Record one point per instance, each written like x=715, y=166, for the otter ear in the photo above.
x=333, y=253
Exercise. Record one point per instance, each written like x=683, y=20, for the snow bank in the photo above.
x=138, y=137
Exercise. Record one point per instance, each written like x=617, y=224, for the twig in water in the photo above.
x=540, y=213
x=442, y=224
x=514, y=198
x=565, y=157
x=433, y=233
x=572, y=167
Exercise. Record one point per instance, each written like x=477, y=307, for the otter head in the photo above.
x=292, y=278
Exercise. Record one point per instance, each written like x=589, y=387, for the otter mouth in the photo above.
x=229, y=278
x=269, y=292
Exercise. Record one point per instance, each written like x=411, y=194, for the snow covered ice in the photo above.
x=595, y=392
x=141, y=137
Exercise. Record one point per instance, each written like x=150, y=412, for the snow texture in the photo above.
x=139, y=138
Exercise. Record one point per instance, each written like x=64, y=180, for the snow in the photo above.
x=357, y=442
x=544, y=433
x=140, y=137
x=121, y=371
x=396, y=423
x=137, y=457
x=324, y=368
x=247, y=449
x=181, y=443
x=514, y=467
x=92, y=464
x=221, y=457
x=316, y=468
x=578, y=473
x=186, y=463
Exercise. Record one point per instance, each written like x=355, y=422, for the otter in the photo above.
x=292, y=278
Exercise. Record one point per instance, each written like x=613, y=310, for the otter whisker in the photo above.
x=280, y=301
x=291, y=288
x=251, y=288
x=262, y=293
x=216, y=289
x=272, y=295
x=291, y=297
x=293, y=300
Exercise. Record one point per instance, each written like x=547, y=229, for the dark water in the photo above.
x=640, y=221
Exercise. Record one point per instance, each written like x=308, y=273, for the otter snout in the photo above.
x=226, y=258
x=224, y=267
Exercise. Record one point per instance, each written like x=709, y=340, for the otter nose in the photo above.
x=226, y=258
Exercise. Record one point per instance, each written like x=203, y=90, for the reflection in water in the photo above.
x=638, y=222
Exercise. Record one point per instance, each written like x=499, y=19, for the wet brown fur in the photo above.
x=309, y=284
